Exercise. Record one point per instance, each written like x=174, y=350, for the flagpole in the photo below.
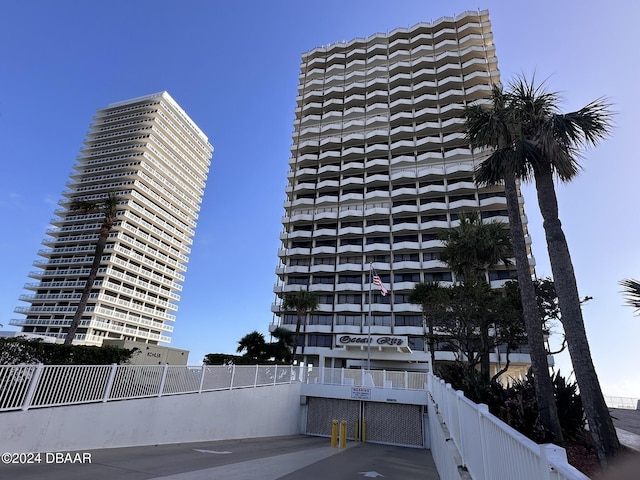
x=369, y=322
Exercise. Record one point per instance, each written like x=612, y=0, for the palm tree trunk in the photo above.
x=600, y=424
x=88, y=286
x=295, y=339
x=539, y=364
x=432, y=340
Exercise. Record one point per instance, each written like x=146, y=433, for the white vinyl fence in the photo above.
x=31, y=386
x=485, y=446
x=367, y=378
x=628, y=403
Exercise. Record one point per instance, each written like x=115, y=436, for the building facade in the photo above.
x=153, y=156
x=379, y=166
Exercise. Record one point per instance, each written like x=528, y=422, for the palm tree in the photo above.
x=302, y=301
x=470, y=250
x=494, y=127
x=550, y=143
x=108, y=207
x=254, y=344
x=280, y=350
x=426, y=295
x=632, y=292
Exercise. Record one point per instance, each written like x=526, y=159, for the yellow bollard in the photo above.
x=364, y=430
x=356, y=430
x=343, y=434
x=334, y=433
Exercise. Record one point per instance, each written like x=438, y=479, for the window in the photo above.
x=378, y=298
x=408, y=321
x=502, y=275
x=406, y=277
x=372, y=240
x=399, y=220
x=351, y=298
x=319, y=341
x=350, y=279
x=301, y=244
x=426, y=256
x=324, y=260
x=298, y=281
x=320, y=319
x=351, y=241
x=405, y=238
x=326, y=243
x=401, y=298
x=424, y=201
x=323, y=279
x=355, y=320
x=429, y=236
x=399, y=203
x=378, y=258
x=289, y=319
x=437, y=277
x=417, y=344
x=351, y=259
x=357, y=224
x=406, y=257
x=428, y=218
x=377, y=221
x=494, y=213
x=299, y=261
x=378, y=320
x=325, y=299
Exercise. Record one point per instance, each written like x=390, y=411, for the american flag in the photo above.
x=378, y=283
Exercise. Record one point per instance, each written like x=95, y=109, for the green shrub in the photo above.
x=15, y=351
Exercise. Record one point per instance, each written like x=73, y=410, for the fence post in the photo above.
x=164, y=377
x=482, y=411
x=233, y=374
x=112, y=376
x=406, y=380
x=460, y=440
x=275, y=374
x=35, y=379
x=548, y=452
x=255, y=379
x=204, y=370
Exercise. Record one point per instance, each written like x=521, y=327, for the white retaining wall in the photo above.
x=220, y=415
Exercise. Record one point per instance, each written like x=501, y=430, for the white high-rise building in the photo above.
x=379, y=166
x=155, y=158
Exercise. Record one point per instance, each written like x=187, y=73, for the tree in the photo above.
x=301, y=302
x=426, y=295
x=108, y=207
x=254, y=345
x=551, y=143
x=496, y=127
x=632, y=292
x=470, y=249
x=280, y=350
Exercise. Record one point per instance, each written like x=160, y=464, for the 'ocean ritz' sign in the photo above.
x=393, y=341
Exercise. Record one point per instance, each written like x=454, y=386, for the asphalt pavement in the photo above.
x=283, y=458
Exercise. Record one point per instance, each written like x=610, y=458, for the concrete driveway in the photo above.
x=285, y=458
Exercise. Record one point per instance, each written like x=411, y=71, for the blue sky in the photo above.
x=233, y=67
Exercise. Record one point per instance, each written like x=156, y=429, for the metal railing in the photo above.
x=368, y=378
x=628, y=403
x=488, y=447
x=32, y=386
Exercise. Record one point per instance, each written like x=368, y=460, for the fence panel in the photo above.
x=182, y=380
x=14, y=384
x=217, y=377
x=245, y=376
x=70, y=384
x=136, y=381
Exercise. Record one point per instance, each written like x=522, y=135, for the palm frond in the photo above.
x=632, y=293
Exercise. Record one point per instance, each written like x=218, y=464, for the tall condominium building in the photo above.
x=379, y=166
x=153, y=156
